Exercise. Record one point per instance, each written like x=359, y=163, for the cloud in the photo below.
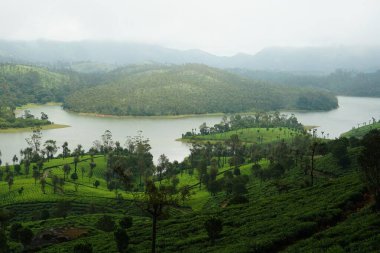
x=222, y=27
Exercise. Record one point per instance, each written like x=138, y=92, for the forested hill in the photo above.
x=22, y=84
x=340, y=82
x=190, y=89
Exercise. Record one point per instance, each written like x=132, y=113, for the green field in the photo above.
x=248, y=135
x=361, y=131
x=270, y=222
x=333, y=215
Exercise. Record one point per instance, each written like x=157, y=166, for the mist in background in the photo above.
x=215, y=26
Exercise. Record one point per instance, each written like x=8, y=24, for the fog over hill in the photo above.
x=306, y=59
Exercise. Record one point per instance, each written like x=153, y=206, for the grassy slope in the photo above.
x=361, y=131
x=270, y=222
x=33, y=193
x=247, y=135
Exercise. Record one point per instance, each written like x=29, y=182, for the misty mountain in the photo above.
x=122, y=53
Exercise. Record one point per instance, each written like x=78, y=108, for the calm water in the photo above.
x=163, y=132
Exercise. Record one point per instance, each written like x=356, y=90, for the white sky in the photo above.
x=222, y=27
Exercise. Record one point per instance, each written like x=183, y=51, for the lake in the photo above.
x=162, y=132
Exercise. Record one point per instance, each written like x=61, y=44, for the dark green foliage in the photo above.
x=369, y=161
x=14, y=232
x=45, y=214
x=214, y=187
x=214, y=227
x=17, y=169
x=96, y=183
x=239, y=185
x=359, y=233
x=122, y=239
x=106, y=223
x=5, y=216
x=74, y=176
x=274, y=171
x=26, y=236
x=126, y=222
x=21, y=234
x=83, y=248
x=63, y=208
x=4, y=248
x=339, y=151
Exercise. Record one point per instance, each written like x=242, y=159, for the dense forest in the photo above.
x=23, y=84
x=296, y=193
x=153, y=90
x=191, y=89
x=340, y=82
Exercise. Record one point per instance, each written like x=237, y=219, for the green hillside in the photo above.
x=359, y=132
x=22, y=84
x=190, y=89
x=267, y=198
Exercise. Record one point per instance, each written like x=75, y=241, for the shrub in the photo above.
x=44, y=214
x=26, y=236
x=122, y=239
x=3, y=243
x=14, y=231
x=83, y=248
x=106, y=223
x=126, y=222
x=214, y=227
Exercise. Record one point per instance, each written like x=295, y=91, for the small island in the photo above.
x=10, y=123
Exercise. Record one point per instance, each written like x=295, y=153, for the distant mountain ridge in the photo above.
x=308, y=59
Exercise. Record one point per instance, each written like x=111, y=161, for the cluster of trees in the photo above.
x=258, y=120
x=8, y=118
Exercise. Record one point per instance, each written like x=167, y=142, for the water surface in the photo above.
x=162, y=132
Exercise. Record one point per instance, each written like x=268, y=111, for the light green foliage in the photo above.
x=359, y=132
x=250, y=135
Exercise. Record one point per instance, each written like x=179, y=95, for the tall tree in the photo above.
x=34, y=141
x=162, y=166
x=50, y=148
x=154, y=200
x=65, y=150
x=66, y=170
x=370, y=164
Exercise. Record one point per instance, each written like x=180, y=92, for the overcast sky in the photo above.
x=223, y=27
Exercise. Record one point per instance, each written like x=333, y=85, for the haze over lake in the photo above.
x=163, y=132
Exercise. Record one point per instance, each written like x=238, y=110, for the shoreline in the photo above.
x=179, y=116
x=30, y=129
x=33, y=105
